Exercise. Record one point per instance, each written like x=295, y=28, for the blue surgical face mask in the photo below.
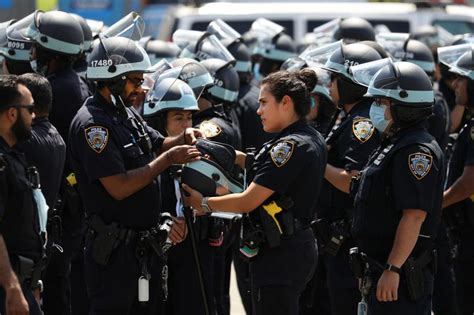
x=377, y=116
x=256, y=72
x=313, y=102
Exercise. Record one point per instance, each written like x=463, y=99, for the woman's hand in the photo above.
x=193, y=198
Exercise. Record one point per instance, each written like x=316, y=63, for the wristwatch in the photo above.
x=393, y=268
x=205, y=206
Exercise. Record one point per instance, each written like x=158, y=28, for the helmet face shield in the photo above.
x=319, y=55
x=187, y=74
x=18, y=40
x=324, y=82
x=130, y=26
x=169, y=93
x=209, y=47
x=183, y=38
x=155, y=71
x=222, y=30
x=293, y=64
x=3, y=36
x=324, y=33
x=459, y=59
x=392, y=42
x=364, y=73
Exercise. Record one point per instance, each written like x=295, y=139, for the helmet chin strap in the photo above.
x=116, y=88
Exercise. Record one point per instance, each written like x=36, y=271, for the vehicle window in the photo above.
x=394, y=25
x=243, y=26
x=456, y=27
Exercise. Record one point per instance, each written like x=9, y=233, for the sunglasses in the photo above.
x=29, y=107
x=136, y=81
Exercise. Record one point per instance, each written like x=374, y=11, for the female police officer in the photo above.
x=286, y=177
x=398, y=200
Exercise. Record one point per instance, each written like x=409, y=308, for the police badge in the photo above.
x=281, y=152
x=97, y=137
x=210, y=129
x=420, y=164
x=363, y=129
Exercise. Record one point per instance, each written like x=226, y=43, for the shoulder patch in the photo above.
x=420, y=164
x=281, y=152
x=210, y=129
x=472, y=133
x=97, y=137
x=363, y=129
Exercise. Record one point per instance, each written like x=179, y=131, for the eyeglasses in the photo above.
x=136, y=81
x=30, y=107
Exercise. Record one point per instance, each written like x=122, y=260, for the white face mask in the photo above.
x=377, y=116
x=39, y=69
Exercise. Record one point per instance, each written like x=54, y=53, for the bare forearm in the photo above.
x=236, y=203
x=339, y=178
x=240, y=159
x=124, y=185
x=462, y=188
x=170, y=142
x=406, y=237
x=8, y=278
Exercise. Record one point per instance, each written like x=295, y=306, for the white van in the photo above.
x=301, y=17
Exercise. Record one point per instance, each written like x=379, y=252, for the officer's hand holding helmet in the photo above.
x=459, y=60
x=54, y=33
x=402, y=90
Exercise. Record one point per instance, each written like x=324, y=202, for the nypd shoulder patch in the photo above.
x=281, y=152
x=210, y=129
x=420, y=164
x=97, y=137
x=363, y=129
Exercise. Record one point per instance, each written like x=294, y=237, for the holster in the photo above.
x=27, y=270
x=413, y=270
x=333, y=235
x=105, y=238
x=277, y=220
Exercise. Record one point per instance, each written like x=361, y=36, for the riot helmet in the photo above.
x=17, y=54
x=86, y=31
x=354, y=29
x=194, y=74
x=405, y=84
x=159, y=49
x=339, y=63
x=226, y=81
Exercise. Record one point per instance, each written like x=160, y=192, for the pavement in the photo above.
x=236, y=307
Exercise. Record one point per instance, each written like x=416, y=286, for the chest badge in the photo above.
x=210, y=129
x=282, y=152
x=363, y=129
x=97, y=137
x=420, y=164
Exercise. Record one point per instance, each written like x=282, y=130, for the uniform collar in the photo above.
x=297, y=125
x=402, y=132
x=4, y=145
x=40, y=120
x=104, y=104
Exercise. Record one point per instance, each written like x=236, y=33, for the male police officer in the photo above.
x=458, y=201
x=20, y=241
x=351, y=139
x=396, y=206
x=112, y=153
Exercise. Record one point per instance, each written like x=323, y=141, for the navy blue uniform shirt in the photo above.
x=103, y=143
x=47, y=151
x=352, y=139
x=19, y=222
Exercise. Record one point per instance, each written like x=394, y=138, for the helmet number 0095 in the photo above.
x=16, y=45
x=102, y=63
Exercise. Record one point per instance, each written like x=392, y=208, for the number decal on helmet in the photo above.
x=102, y=63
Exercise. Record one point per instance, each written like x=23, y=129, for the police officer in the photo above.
x=20, y=240
x=351, y=139
x=285, y=179
x=113, y=153
x=458, y=204
x=46, y=148
x=397, y=201
x=58, y=41
x=169, y=109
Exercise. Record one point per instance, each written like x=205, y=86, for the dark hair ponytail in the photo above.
x=297, y=85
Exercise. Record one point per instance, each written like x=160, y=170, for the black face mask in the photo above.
x=20, y=129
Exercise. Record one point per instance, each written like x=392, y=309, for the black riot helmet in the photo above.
x=18, y=46
x=160, y=49
x=241, y=53
x=405, y=84
x=416, y=52
x=57, y=32
x=194, y=74
x=340, y=62
x=273, y=55
x=86, y=31
x=226, y=81
x=354, y=29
